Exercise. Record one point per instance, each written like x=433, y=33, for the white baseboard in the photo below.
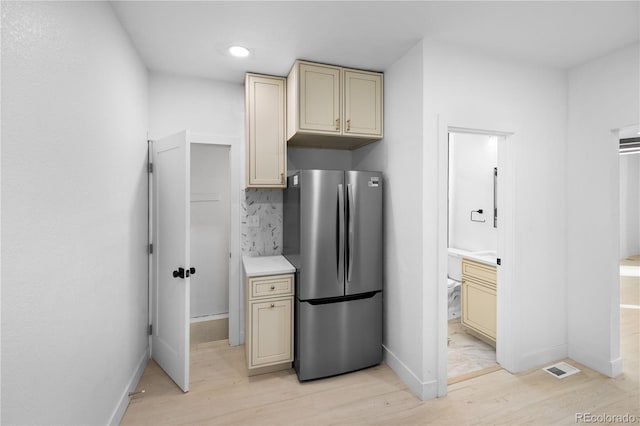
x=118, y=412
x=610, y=368
x=615, y=367
x=209, y=317
x=423, y=390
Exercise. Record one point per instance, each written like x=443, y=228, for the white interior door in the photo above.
x=170, y=304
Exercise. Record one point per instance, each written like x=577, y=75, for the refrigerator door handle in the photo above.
x=350, y=220
x=340, y=232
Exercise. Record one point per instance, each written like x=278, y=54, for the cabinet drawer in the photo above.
x=274, y=285
x=479, y=271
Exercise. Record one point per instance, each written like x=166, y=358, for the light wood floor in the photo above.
x=221, y=393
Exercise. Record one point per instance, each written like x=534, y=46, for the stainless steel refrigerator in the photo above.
x=333, y=236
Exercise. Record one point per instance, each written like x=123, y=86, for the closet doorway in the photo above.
x=210, y=242
x=193, y=242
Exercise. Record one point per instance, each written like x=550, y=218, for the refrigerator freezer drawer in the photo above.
x=335, y=338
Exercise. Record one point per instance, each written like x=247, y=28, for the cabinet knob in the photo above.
x=337, y=124
x=273, y=305
x=273, y=287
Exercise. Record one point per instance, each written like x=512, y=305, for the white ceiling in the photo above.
x=191, y=38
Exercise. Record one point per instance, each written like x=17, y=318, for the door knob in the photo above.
x=180, y=272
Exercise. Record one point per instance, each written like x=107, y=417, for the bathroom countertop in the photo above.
x=266, y=265
x=488, y=257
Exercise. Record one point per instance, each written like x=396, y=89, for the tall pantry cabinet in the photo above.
x=266, y=149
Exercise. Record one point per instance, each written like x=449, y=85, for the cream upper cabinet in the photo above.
x=266, y=153
x=319, y=98
x=362, y=103
x=333, y=107
x=479, y=299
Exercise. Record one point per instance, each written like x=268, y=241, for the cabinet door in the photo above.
x=271, y=337
x=363, y=99
x=319, y=98
x=479, y=307
x=265, y=131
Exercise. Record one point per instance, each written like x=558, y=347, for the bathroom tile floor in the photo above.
x=466, y=353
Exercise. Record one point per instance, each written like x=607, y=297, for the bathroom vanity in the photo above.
x=479, y=299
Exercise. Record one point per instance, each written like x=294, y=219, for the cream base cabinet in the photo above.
x=265, y=115
x=479, y=300
x=333, y=107
x=269, y=323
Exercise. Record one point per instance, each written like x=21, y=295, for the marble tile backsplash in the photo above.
x=266, y=238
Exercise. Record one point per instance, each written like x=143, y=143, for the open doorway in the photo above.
x=629, y=256
x=504, y=259
x=629, y=161
x=210, y=242
x=472, y=245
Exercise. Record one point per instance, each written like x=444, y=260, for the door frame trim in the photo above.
x=505, y=355
x=235, y=156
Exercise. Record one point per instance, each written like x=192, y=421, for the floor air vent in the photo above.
x=561, y=370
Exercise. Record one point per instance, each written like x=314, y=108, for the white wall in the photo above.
x=469, y=90
x=629, y=205
x=323, y=159
x=472, y=159
x=196, y=104
x=435, y=84
x=74, y=200
x=399, y=157
x=603, y=95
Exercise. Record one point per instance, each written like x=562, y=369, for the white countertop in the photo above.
x=488, y=257
x=266, y=265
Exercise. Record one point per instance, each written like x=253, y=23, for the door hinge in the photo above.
x=150, y=248
x=150, y=167
x=150, y=329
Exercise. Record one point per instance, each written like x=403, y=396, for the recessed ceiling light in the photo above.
x=239, y=51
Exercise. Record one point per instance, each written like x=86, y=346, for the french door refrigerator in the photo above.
x=333, y=236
